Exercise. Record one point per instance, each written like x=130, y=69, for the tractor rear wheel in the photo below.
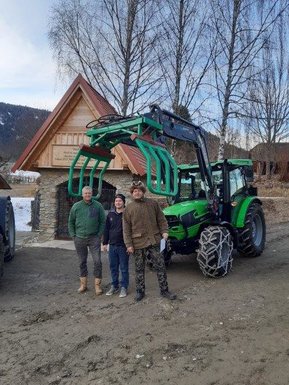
x=7, y=227
x=215, y=251
x=252, y=236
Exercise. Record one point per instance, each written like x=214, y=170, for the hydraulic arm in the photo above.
x=147, y=132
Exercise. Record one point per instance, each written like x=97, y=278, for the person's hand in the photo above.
x=104, y=247
x=165, y=236
x=130, y=250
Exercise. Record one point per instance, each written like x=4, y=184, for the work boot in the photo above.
x=139, y=295
x=97, y=282
x=83, y=285
x=167, y=294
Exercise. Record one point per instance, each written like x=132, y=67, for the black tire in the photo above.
x=1, y=255
x=252, y=236
x=214, y=254
x=7, y=227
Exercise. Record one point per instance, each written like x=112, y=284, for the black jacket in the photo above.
x=113, y=229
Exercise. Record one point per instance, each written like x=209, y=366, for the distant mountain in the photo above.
x=18, y=124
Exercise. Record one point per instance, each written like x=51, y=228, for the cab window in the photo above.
x=237, y=181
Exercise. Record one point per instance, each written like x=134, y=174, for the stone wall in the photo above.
x=50, y=180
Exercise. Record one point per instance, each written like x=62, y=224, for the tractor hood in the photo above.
x=199, y=206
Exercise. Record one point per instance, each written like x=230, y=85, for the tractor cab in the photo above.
x=238, y=180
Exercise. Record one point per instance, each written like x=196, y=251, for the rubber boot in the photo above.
x=139, y=295
x=83, y=285
x=97, y=283
x=167, y=294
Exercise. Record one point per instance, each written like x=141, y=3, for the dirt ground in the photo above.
x=229, y=331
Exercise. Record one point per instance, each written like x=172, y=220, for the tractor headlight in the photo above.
x=173, y=220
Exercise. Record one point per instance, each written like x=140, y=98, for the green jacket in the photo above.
x=86, y=219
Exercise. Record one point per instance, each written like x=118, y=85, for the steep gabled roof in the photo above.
x=101, y=106
x=135, y=157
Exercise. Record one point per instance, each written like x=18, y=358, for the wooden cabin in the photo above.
x=53, y=147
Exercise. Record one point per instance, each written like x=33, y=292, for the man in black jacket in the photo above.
x=118, y=256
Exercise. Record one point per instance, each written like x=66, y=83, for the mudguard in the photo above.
x=240, y=211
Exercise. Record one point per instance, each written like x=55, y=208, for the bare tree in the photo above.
x=284, y=166
x=268, y=106
x=185, y=54
x=5, y=166
x=240, y=27
x=3, y=162
x=111, y=42
x=185, y=59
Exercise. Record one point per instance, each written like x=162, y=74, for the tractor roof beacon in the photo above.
x=7, y=227
x=212, y=207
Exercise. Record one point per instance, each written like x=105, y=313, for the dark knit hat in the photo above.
x=121, y=196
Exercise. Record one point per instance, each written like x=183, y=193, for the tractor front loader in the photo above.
x=212, y=207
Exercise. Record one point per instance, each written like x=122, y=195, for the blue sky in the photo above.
x=27, y=71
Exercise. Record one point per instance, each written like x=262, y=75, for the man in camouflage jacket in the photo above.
x=144, y=225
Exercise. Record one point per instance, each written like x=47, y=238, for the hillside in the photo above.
x=18, y=125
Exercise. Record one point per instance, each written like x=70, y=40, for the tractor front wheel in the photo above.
x=252, y=236
x=215, y=251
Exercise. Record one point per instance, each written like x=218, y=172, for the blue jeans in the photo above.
x=118, y=260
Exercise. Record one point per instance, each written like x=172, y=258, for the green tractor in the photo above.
x=239, y=223
x=212, y=207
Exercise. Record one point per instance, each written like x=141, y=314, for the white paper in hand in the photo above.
x=163, y=244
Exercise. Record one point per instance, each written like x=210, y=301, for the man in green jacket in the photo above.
x=144, y=225
x=86, y=224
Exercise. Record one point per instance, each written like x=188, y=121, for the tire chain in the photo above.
x=211, y=242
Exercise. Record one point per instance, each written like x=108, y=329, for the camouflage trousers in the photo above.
x=158, y=263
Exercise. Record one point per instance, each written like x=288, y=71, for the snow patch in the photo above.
x=25, y=176
x=25, y=173
x=22, y=213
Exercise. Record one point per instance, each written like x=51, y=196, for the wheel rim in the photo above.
x=257, y=230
